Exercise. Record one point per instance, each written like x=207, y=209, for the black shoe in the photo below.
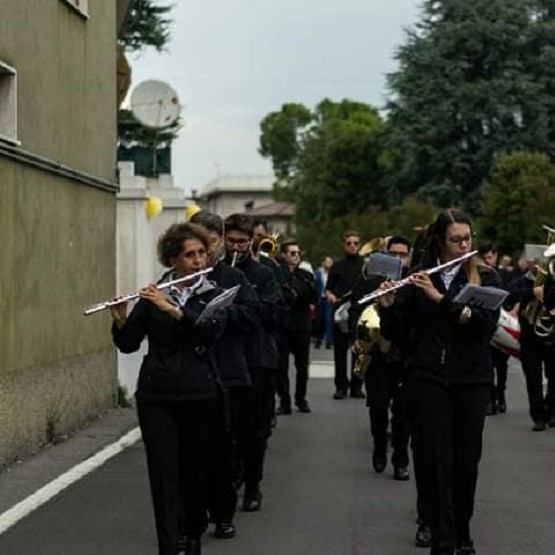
x=224, y=530
x=539, y=426
x=273, y=421
x=379, y=461
x=357, y=394
x=328, y=346
x=401, y=473
x=466, y=548
x=339, y=394
x=551, y=422
x=284, y=409
x=491, y=408
x=502, y=404
x=252, y=501
x=423, y=536
x=303, y=406
x=192, y=547
x=317, y=343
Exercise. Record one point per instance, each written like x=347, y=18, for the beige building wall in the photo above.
x=57, y=221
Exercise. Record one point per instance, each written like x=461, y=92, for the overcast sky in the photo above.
x=233, y=61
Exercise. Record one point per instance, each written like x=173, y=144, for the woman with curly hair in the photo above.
x=177, y=388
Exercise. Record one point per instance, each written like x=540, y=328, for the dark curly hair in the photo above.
x=239, y=222
x=171, y=241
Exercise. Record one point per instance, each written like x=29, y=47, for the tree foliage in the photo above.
x=131, y=132
x=472, y=84
x=518, y=200
x=327, y=159
x=147, y=26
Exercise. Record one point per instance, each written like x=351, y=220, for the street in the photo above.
x=321, y=495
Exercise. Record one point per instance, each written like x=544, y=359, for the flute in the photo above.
x=234, y=259
x=98, y=307
x=405, y=281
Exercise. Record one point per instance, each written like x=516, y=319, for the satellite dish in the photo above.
x=155, y=104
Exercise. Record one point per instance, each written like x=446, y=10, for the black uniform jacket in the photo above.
x=284, y=310
x=261, y=350
x=179, y=364
x=439, y=347
x=304, y=288
x=243, y=318
x=344, y=274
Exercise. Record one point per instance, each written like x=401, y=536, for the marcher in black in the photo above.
x=261, y=353
x=341, y=279
x=499, y=359
x=537, y=354
x=298, y=334
x=232, y=413
x=450, y=376
x=177, y=387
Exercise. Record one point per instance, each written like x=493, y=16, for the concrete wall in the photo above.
x=57, y=227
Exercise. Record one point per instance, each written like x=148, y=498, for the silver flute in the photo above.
x=405, y=281
x=98, y=307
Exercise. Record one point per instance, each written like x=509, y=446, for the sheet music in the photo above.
x=384, y=265
x=472, y=295
x=221, y=301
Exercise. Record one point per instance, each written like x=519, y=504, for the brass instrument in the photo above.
x=368, y=336
x=535, y=312
x=368, y=325
x=269, y=246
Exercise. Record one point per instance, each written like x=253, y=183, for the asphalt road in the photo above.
x=321, y=495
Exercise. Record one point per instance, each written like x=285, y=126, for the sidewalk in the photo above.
x=22, y=479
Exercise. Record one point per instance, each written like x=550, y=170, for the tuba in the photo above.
x=367, y=330
x=535, y=312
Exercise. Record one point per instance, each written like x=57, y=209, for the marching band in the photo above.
x=217, y=370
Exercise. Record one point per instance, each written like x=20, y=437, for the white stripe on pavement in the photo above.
x=50, y=490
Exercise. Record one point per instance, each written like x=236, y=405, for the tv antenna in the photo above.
x=155, y=104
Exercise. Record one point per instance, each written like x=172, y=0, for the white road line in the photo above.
x=50, y=490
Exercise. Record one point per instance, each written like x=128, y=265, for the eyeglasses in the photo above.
x=294, y=253
x=458, y=239
x=233, y=241
x=352, y=243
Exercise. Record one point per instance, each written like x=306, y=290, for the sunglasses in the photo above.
x=232, y=241
x=356, y=243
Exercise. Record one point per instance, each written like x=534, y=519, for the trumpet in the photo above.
x=405, y=281
x=98, y=307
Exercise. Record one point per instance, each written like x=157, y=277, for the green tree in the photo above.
x=470, y=86
x=518, y=200
x=280, y=138
x=147, y=26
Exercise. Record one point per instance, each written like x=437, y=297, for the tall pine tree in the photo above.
x=472, y=83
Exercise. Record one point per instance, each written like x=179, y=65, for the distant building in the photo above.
x=278, y=215
x=229, y=194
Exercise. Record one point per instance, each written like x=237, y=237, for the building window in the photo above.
x=82, y=6
x=8, y=103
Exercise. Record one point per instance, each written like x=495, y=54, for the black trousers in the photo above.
x=297, y=344
x=385, y=390
x=450, y=420
x=256, y=412
x=176, y=437
x=537, y=358
x=341, y=348
x=223, y=454
x=500, y=361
